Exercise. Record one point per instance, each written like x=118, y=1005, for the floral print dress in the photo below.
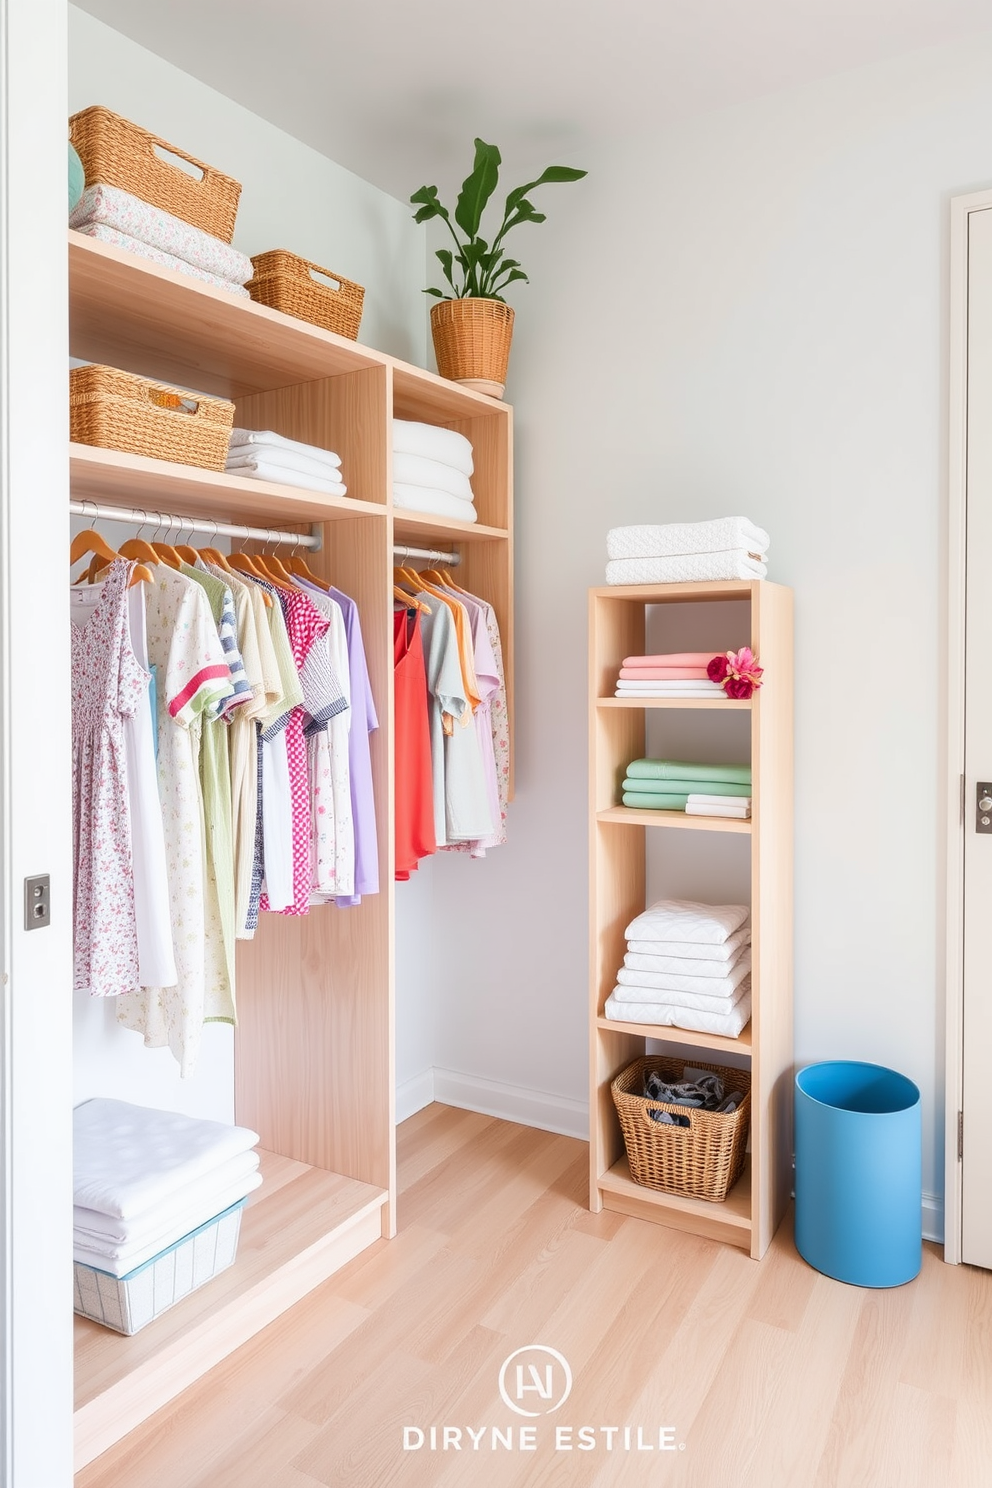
x=108, y=684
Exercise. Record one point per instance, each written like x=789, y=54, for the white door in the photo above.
x=35, y=965
x=976, y=1024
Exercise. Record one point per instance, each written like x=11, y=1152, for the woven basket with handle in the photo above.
x=472, y=342
x=116, y=152
x=284, y=281
x=117, y=410
x=702, y=1160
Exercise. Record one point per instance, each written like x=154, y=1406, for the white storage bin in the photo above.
x=128, y=1303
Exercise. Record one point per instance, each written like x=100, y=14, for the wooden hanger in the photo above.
x=189, y=554
x=276, y=570
x=90, y=541
x=410, y=601
x=302, y=569
x=443, y=576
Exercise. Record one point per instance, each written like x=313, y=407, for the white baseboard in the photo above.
x=933, y=1218
x=554, y=1113
x=413, y=1095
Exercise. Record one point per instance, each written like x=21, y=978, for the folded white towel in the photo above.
x=660, y=692
x=419, y=498
x=668, y=688
x=698, y=986
x=109, y=206
x=635, y=995
x=417, y=470
x=670, y=539
x=413, y=438
x=120, y=1258
x=701, y=972
x=259, y=468
x=240, y=456
x=687, y=920
x=736, y=806
x=714, y=956
x=94, y=1228
x=687, y=568
x=666, y=1013
x=117, y=239
x=127, y=1158
x=271, y=440
x=134, y=1256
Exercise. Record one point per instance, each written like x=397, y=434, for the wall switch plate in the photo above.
x=37, y=902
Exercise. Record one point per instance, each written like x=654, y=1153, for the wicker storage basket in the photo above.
x=472, y=342
x=283, y=281
x=117, y=410
x=702, y=1160
x=116, y=152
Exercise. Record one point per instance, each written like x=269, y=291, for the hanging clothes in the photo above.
x=364, y=722
x=414, y=793
x=108, y=685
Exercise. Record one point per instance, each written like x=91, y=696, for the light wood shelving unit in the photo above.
x=314, y=1059
x=619, y=839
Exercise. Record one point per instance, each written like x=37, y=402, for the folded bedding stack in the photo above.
x=679, y=785
x=259, y=454
x=676, y=674
x=687, y=965
x=431, y=470
x=687, y=552
x=144, y=1180
x=114, y=216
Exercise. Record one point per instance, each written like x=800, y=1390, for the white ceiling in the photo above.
x=397, y=89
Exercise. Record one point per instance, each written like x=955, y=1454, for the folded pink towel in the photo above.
x=663, y=674
x=674, y=659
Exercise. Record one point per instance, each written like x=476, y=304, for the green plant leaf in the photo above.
x=424, y=214
x=425, y=194
x=445, y=256
x=437, y=292
x=477, y=188
x=553, y=173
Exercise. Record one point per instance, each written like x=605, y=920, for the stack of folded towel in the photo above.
x=262, y=455
x=145, y=1179
x=687, y=965
x=677, y=674
x=114, y=216
x=679, y=785
x=687, y=552
x=431, y=469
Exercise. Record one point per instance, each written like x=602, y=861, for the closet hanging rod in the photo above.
x=146, y=517
x=434, y=554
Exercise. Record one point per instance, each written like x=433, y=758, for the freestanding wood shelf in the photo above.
x=618, y=840
x=314, y=1046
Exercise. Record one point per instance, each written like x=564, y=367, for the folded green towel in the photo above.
x=645, y=801
x=648, y=769
x=637, y=783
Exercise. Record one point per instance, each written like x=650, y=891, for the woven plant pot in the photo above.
x=472, y=342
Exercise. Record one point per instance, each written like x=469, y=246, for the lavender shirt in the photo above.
x=363, y=721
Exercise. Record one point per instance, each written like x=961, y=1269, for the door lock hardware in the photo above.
x=983, y=806
x=37, y=902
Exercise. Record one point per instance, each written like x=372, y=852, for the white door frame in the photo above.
x=956, y=806
x=35, y=966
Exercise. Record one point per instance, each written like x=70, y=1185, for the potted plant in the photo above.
x=472, y=325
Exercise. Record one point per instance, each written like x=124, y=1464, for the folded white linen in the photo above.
x=271, y=439
x=413, y=438
x=666, y=1013
x=259, y=468
x=739, y=808
x=118, y=239
x=97, y=1229
x=671, y=539
x=420, y=498
x=109, y=206
x=687, y=920
x=686, y=568
x=669, y=688
x=120, y=1258
x=127, y=1158
x=417, y=470
x=661, y=691
x=635, y=996
x=698, y=986
x=720, y=955
x=244, y=454
x=701, y=972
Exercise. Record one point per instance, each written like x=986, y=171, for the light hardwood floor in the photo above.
x=771, y=1375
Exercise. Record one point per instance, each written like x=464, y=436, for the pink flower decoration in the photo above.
x=741, y=675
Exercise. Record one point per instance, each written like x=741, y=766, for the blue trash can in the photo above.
x=859, y=1184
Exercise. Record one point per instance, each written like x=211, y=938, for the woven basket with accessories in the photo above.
x=285, y=282
x=702, y=1156
x=117, y=410
x=116, y=152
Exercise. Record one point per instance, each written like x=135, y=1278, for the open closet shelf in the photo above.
x=314, y=1065
x=297, y=1230
x=729, y=1221
x=724, y=705
x=630, y=816
x=680, y=1035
